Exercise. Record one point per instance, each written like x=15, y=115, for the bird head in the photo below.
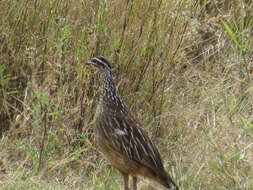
x=99, y=62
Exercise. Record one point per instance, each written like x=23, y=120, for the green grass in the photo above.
x=183, y=67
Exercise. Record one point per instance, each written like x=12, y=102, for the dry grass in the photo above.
x=184, y=67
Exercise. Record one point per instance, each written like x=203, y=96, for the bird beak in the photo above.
x=88, y=63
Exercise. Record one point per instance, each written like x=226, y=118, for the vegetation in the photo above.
x=184, y=67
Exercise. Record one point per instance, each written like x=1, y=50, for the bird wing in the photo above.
x=132, y=141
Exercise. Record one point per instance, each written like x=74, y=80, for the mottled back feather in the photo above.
x=119, y=135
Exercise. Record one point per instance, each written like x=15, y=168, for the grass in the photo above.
x=184, y=67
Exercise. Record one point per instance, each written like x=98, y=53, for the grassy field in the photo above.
x=185, y=68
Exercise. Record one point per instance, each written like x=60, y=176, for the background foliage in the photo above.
x=183, y=67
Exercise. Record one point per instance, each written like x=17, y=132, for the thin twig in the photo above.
x=43, y=139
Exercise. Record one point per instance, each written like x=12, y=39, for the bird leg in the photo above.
x=125, y=178
x=134, y=183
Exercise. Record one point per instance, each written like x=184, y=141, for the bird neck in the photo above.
x=109, y=96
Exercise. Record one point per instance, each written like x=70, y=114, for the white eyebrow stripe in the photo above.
x=100, y=61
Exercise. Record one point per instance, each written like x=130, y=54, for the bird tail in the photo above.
x=171, y=184
x=167, y=182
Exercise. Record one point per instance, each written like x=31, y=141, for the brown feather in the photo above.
x=120, y=137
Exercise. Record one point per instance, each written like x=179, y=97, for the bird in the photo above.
x=120, y=137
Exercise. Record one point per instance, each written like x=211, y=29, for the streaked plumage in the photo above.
x=120, y=137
